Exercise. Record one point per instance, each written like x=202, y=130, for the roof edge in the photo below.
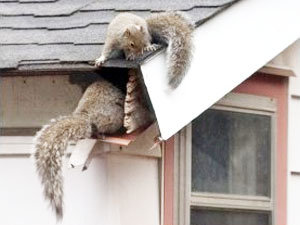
x=67, y=66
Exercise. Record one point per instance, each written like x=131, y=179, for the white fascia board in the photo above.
x=228, y=49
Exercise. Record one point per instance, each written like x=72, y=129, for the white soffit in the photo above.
x=228, y=49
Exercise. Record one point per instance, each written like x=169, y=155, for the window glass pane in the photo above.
x=231, y=153
x=214, y=217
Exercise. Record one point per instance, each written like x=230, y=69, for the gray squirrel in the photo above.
x=100, y=110
x=134, y=35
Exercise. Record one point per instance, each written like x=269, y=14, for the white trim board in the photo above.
x=228, y=49
x=20, y=145
x=278, y=70
x=145, y=145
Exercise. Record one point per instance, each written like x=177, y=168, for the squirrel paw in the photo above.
x=130, y=57
x=99, y=62
x=152, y=47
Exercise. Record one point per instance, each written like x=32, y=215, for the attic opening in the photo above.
x=117, y=76
x=30, y=99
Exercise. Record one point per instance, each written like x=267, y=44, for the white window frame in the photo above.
x=185, y=199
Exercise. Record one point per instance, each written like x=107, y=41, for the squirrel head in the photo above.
x=135, y=39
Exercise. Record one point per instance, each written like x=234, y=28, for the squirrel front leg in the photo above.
x=129, y=55
x=108, y=47
x=151, y=47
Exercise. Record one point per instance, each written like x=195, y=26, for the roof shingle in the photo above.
x=73, y=31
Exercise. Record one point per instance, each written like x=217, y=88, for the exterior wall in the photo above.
x=290, y=58
x=31, y=101
x=115, y=190
x=262, y=85
x=294, y=152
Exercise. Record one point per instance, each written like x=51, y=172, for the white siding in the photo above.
x=294, y=153
x=291, y=57
x=115, y=190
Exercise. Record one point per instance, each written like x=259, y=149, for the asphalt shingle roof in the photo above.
x=69, y=32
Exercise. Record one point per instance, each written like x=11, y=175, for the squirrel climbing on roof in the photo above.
x=100, y=110
x=134, y=35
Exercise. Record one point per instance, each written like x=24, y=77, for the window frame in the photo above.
x=185, y=199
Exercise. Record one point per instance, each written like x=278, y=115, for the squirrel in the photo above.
x=134, y=35
x=100, y=110
x=129, y=33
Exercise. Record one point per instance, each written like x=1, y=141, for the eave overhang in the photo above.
x=228, y=49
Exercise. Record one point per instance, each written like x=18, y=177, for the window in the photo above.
x=225, y=163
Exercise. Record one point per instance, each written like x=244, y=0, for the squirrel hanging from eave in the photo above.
x=100, y=110
x=133, y=35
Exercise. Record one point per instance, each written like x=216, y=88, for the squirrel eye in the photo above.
x=132, y=44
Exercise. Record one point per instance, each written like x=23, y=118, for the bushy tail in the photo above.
x=174, y=29
x=50, y=145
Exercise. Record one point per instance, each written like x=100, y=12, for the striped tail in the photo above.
x=50, y=146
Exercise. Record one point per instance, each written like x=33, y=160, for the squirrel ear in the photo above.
x=140, y=28
x=126, y=33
